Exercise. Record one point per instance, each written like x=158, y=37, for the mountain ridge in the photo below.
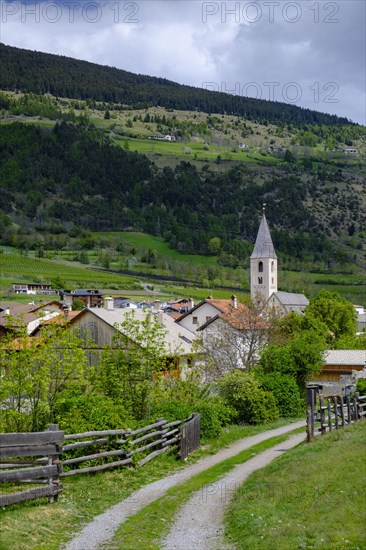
x=33, y=71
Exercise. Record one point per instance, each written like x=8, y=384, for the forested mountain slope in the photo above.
x=74, y=175
x=31, y=71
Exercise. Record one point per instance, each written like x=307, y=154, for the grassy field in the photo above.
x=193, y=150
x=39, y=525
x=69, y=274
x=14, y=267
x=314, y=496
x=149, y=242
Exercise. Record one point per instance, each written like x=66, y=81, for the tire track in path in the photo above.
x=199, y=523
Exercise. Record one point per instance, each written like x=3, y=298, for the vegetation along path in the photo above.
x=103, y=527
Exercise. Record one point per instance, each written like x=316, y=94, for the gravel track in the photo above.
x=103, y=527
x=199, y=523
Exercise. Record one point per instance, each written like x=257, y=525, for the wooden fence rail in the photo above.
x=45, y=470
x=36, y=457
x=332, y=412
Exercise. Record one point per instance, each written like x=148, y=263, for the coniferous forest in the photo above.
x=41, y=73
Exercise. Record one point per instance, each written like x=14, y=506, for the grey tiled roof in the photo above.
x=291, y=298
x=263, y=247
x=354, y=357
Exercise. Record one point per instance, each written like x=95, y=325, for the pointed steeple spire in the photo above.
x=263, y=247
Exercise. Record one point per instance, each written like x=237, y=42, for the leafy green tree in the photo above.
x=34, y=372
x=301, y=358
x=335, y=313
x=77, y=305
x=127, y=368
x=214, y=245
x=242, y=392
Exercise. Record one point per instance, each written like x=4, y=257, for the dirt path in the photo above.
x=199, y=523
x=103, y=527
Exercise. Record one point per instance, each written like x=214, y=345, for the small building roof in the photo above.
x=291, y=298
x=82, y=292
x=263, y=247
x=351, y=357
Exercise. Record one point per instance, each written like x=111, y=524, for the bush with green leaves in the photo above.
x=177, y=399
x=361, y=386
x=242, y=392
x=285, y=391
x=81, y=413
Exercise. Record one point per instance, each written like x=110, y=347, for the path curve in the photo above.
x=199, y=523
x=103, y=527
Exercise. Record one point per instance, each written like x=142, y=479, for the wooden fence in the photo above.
x=62, y=455
x=190, y=436
x=17, y=455
x=331, y=412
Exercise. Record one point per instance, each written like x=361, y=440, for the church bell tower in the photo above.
x=263, y=264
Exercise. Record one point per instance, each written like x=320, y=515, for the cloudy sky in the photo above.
x=309, y=53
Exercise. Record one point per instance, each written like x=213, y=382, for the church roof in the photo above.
x=263, y=247
x=291, y=298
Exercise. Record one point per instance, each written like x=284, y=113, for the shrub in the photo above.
x=285, y=391
x=361, y=386
x=210, y=422
x=242, y=392
x=92, y=413
x=214, y=415
x=171, y=410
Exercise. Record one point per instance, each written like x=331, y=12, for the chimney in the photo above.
x=109, y=303
x=234, y=302
x=190, y=304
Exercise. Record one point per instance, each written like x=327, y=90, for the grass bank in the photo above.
x=314, y=496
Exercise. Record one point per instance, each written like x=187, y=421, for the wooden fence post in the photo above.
x=355, y=408
x=349, y=414
x=330, y=425
x=52, y=480
x=342, y=409
x=161, y=429
x=322, y=416
x=309, y=428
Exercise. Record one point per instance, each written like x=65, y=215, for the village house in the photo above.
x=100, y=325
x=13, y=314
x=32, y=288
x=90, y=298
x=340, y=364
x=203, y=312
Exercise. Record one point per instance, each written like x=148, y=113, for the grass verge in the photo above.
x=314, y=496
x=150, y=524
x=37, y=524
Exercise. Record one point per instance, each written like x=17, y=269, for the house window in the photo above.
x=260, y=267
x=273, y=280
x=272, y=267
x=195, y=320
x=260, y=280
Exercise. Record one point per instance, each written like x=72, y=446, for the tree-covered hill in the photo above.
x=72, y=175
x=31, y=71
